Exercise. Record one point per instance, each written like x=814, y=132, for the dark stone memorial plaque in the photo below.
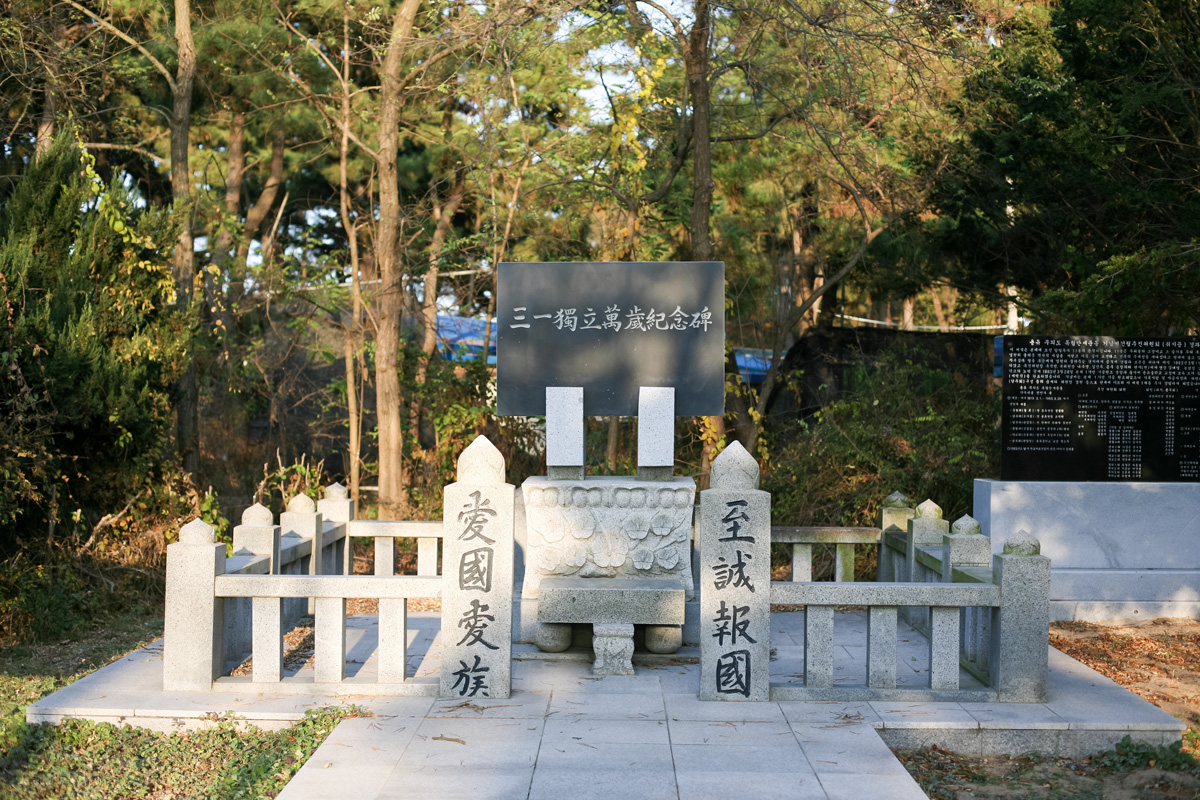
x=1097, y=408
x=611, y=328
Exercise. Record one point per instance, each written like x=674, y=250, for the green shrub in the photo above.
x=89, y=344
x=897, y=425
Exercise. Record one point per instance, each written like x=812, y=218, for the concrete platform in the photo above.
x=565, y=732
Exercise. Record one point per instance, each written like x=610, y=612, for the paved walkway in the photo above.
x=581, y=737
x=566, y=733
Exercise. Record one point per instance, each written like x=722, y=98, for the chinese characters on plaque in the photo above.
x=610, y=329
x=1097, y=408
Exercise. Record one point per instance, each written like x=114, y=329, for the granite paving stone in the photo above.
x=524, y=704
x=924, y=715
x=763, y=758
x=1032, y=716
x=846, y=748
x=557, y=783
x=477, y=743
x=724, y=784
x=690, y=707
x=825, y=712
x=856, y=787
x=606, y=731
x=730, y=734
x=615, y=756
x=638, y=706
x=452, y=783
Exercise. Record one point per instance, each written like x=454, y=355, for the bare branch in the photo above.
x=131, y=147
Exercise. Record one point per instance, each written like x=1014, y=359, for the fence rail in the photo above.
x=802, y=540
x=385, y=533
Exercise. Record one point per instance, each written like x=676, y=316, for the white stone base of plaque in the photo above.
x=1119, y=552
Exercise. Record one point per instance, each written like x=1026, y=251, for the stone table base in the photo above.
x=612, y=644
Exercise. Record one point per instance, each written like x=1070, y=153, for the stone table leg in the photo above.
x=613, y=646
x=552, y=637
x=664, y=639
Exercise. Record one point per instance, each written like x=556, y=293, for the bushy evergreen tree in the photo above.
x=89, y=343
x=1079, y=181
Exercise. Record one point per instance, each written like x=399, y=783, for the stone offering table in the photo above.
x=613, y=552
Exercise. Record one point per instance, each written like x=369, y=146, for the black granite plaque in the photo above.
x=611, y=328
x=1096, y=408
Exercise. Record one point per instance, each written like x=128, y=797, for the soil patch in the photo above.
x=1158, y=660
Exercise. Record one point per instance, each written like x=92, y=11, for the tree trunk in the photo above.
x=223, y=251
x=501, y=250
x=938, y=311
x=45, y=131
x=234, y=173
x=354, y=328
x=712, y=431
x=702, y=180
x=257, y=213
x=614, y=444
x=393, y=495
x=444, y=216
x=188, y=401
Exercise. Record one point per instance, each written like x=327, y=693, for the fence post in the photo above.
x=735, y=581
x=893, y=518
x=258, y=535
x=194, y=625
x=926, y=528
x=477, y=590
x=966, y=546
x=302, y=519
x=1019, y=661
x=336, y=506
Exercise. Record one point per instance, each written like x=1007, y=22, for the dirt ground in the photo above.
x=1158, y=660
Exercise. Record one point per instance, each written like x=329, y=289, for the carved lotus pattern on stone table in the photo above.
x=615, y=531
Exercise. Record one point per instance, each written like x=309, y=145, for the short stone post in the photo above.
x=926, y=528
x=303, y=520
x=1019, y=661
x=194, y=624
x=258, y=535
x=735, y=581
x=477, y=553
x=336, y=506
x=893, y=518
x=966, y=546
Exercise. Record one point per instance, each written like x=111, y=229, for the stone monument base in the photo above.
x=1119, y=552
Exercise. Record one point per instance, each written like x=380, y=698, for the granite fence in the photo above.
x=985, y=615
x=219, y=609
x=982, y=614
